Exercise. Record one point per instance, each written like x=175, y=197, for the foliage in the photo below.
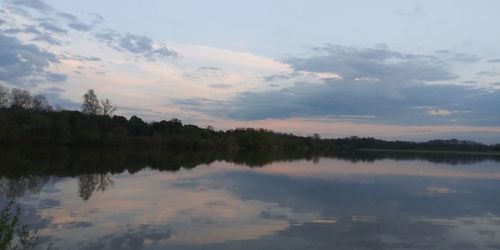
x=14, y=234
x=30, y=120
x=91, y=104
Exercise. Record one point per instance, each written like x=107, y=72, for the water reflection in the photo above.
x=16, y=187
x=207, y=200
x=88, y=183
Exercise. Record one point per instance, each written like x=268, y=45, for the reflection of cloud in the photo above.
x=158, y=201
x=439, y=190
x=329, y=168
x=218, y=204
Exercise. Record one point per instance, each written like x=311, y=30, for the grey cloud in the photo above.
x=494, y=61
x=49, y=203
x=351, y=63
x=67, y=16
x=34, y=4
x=458, y=57
x=341, y=98
x=133, y=238
x=54, y=77
x=21, y=63
x=402, y=85
x=76, y=224
x=107, y=36
x=48, y=26
x=144, y=45
x=203, y=105
x=38, y=35
x=490, y=73
x=165, y=52
x=470, y=82
x=137, y=44
x=98, y=18
x=78, y=25
x=86, y=58
x=53, y=94
x=206, y=72
x=220, y=86
x=277, y=77
x=209, y=68
x=415, y=11
x=55, y=90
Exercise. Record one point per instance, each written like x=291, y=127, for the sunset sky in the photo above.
x=391, y=69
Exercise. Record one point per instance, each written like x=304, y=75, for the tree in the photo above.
x=91, y=104
x=13, y=233
x=40, y=103
x=107, y=107
x=21, y=98
x=316, y=137
x=4, y=97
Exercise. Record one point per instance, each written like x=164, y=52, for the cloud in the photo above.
x=277, y=77
x=22, y=63
x=86, y=58
x=457, y=57
x=136, y=44
x=38, y=5
x=351, y=63
x=402, y=83
x=78, y=25
x=220, y=86
x=37, y=34
x=54, y=95
x=143, y=45
x=487, y=73
x=208, y=68
x=54, y=77
x=443, y=112
x=494, y=61
x=415, y=11
x=53, y=28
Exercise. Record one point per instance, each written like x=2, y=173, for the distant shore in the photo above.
x=494, y=153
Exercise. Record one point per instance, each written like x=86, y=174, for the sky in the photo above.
x=391, y=69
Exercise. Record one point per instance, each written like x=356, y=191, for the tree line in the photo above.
x=27, y=119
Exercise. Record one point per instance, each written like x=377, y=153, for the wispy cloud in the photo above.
x=382, y=83
x=137, y=44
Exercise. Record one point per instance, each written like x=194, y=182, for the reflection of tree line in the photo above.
x=28, y=170
x=89, y=183
x=446, y=158
x=16, y=187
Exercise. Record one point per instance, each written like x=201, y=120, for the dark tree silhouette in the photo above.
x=91, y=104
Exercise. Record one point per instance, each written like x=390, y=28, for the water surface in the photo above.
x=197, y=202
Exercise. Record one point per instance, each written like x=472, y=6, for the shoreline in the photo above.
x=489, y=153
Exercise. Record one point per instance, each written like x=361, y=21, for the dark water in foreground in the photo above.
x=193, y=201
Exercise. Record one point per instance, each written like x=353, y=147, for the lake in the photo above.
x=117, y=200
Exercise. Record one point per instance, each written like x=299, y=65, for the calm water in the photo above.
x=95, y=201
